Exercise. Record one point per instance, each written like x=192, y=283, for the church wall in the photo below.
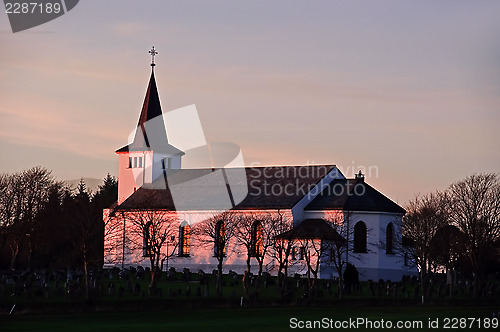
x=128, y=178
x=121, y=249
x=396, y=259
x=375, y=264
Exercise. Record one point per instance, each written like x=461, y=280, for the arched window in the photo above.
x=184, y=239
x=148, y=249
x=302, y=253
x=360, y=237
x=389, y=238
x=256, y=241
x=294, y=253
x=220, y=239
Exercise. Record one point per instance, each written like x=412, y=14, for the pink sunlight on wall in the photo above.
x=201, y=256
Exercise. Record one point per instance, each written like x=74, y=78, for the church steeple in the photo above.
x=150, y=154
x=152, y=135
x=151, y=108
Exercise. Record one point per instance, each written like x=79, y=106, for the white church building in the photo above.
x=151, y=179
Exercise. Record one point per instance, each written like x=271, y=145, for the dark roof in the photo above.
x=166, y=149
x=151, y=109
x=312, y=229
x=277, y=187
x=353, y=195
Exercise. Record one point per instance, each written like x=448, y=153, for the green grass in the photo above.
x=225, y=319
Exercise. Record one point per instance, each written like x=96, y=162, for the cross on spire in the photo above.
x=153, y=53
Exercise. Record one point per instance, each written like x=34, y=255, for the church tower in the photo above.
x=149, y=154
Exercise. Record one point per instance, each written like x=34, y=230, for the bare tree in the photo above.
x=425, y=216
x=281, y=248
x=23, y=195
x=217, y=233
x=474, y=207
x=243, y=235
x=447, y=247
x=448, y=250
x=312, y=251
x=253, y=236
x=13, y=222
x=339, y=245
x=113, y=234
x=263, y=240
x=151, y=230
x=320, y=244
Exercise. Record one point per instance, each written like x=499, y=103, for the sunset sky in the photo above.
x=409, y=87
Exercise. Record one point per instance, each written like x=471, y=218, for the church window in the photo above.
x=220, y=239
x=148, y=248
x=360, y=237
x=256, y=241
x=294, y=253
x=302, y=253
x=389, y=238
x=184, y=239
x=135, y=162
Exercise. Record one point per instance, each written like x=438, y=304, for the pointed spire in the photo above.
x=151, y=108
x=151, y=135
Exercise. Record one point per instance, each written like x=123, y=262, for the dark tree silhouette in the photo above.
x=218, y=233
x=151, y=230
x=253, y=237
x=425, y=216
x=23, y=196
x=474, y=207
x=280, y=249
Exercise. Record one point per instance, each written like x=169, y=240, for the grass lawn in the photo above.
x=236, y=319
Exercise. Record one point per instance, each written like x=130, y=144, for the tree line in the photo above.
x=456, y=230
x=44, y=223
